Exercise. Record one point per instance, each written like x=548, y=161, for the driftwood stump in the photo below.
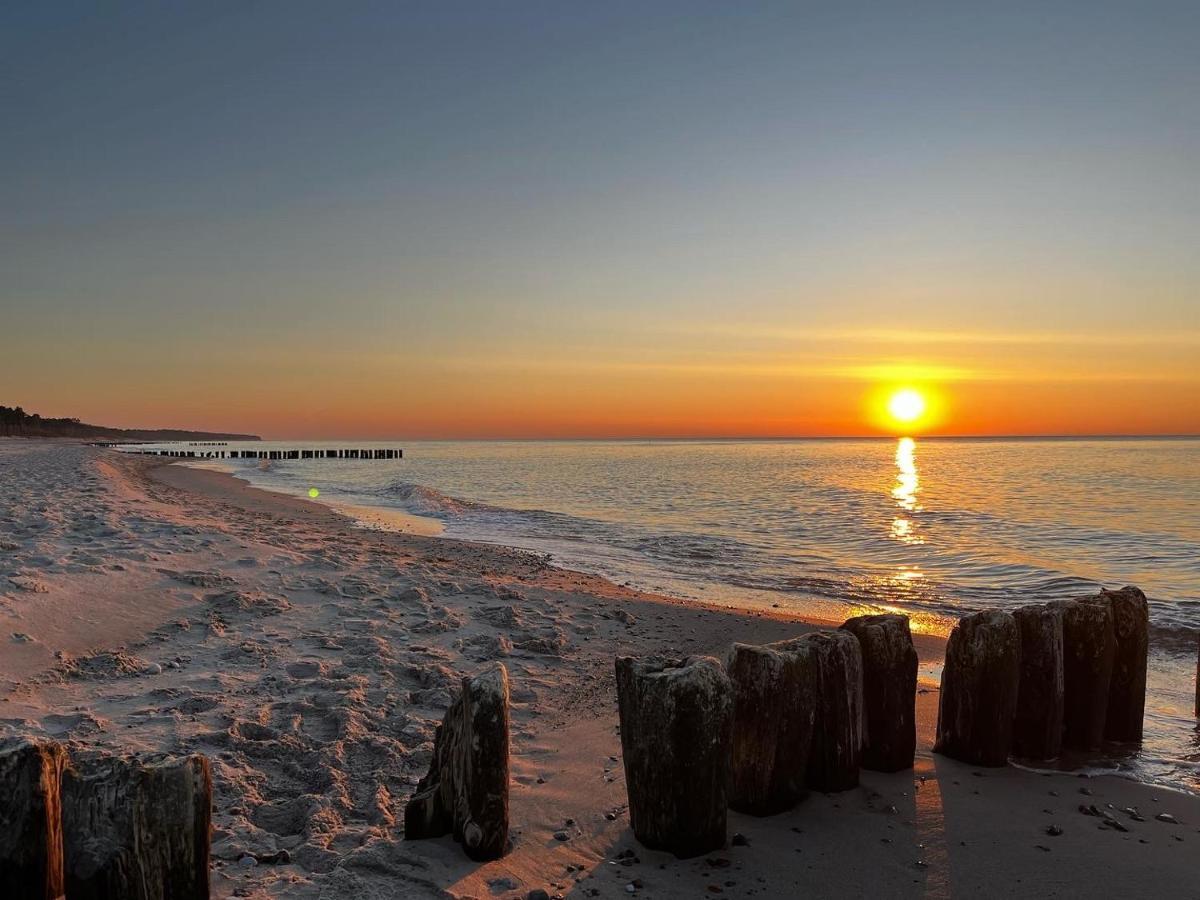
x=465, y=792
x=1089, y=647
x=1038, y=725
x=136, y=828
x=1127, y=691
x=889, y=690
x=836, y=754
x=774, y=702
x=31, y=856
x=677, y=737
x=979, y=689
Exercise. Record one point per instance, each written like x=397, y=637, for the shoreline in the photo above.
x=832, y=609
x=311, y=659
x=227, y=487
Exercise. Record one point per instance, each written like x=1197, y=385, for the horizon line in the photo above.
x=766, y=438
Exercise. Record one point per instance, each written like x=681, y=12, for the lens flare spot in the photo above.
x=314, y=493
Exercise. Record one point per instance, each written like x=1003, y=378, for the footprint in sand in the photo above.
x=307, y=669
x=74, y=725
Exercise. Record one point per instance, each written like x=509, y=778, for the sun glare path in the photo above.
x=904, y=527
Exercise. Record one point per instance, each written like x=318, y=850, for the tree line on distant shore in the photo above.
x=15, y=422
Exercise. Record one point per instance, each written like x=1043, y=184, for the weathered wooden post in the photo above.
x=836, y=754
x=1038, y=724
x=1127, y=692
x=676, y=736
x=774, y=701
x=1089, y=647
x=31, y=848
x=465, y=792
x=979, y=689
x=889, y=690
x=136, y=828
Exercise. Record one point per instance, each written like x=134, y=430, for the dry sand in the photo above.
x=147, y=606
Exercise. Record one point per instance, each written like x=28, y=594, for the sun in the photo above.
x=906, y=405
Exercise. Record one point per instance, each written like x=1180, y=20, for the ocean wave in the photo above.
x=426, y=501
x=685, y=547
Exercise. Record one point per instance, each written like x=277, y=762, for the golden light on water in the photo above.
x=904, y=492
x=907, y=479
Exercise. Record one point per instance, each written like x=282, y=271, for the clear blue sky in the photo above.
x=403, y=218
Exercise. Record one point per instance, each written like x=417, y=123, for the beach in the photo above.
x=154, y=607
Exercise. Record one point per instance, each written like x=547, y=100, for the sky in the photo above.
x=567, y=219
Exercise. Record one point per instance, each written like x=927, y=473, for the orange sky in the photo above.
x=745, y=384
x=602, y=220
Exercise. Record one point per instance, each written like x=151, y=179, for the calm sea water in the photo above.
x=933, y=528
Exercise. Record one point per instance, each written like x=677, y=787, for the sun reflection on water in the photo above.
x=908, y=484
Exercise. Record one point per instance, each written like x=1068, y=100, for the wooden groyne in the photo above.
x=352, y=453
x=811, y=711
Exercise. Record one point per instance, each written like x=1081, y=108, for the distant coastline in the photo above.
x=15, y=422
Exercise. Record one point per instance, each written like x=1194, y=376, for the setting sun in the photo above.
x=906, y=405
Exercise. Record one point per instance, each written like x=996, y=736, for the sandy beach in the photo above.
x=154, y=607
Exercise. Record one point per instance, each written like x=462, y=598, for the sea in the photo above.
x=934, y=528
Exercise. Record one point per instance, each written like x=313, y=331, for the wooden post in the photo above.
x=1127, y=692
x=137, y=828
x=31, y=847
x=774, y=702
x=1038, y=724
x=1089, y=648
x=676, y=735
x=465, y=791
x=889, y=690
x=836, y=754
x=979, y=689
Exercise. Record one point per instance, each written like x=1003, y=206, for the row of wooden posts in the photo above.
x=1067, y=675
x=353, y=453
x=698, y=736
x=759, y=731
x=772, y=722
x=93, y=826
